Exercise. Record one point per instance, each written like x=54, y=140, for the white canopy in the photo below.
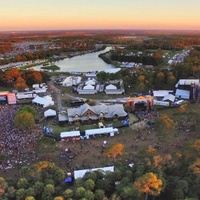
x=111, y=87
x=88, y=87
x=100, y=131
x=50, y=113
x=81, y=173
x=90, y=82
x=70, y=134
x=169, y=97
x=44, y=101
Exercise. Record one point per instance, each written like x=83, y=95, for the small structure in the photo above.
x=7, y=97
x=50, y=113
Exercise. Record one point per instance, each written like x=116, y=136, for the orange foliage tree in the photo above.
x=20, y=83
x=43, y=165
x=195, y=167
x=166, y=122
x=10, y=76
x=114, y=150
x=151, y=149
x=149, y=184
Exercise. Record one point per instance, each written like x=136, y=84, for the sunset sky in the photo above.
x=99, y=14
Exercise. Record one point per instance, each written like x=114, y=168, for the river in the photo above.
x=83, y=63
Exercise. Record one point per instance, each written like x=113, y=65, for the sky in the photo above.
x=18, y=15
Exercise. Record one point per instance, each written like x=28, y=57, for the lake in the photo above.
x=83, y=63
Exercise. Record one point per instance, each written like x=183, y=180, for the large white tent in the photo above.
x=81, y=173
x=49, y=113
x=70, y=134
x=43, y=101
x=99, y=131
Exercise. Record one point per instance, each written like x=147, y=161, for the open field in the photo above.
x=89, y=153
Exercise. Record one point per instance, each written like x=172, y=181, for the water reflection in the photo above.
x=83, y=63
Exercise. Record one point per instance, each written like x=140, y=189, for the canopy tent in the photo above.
x=88, y=87
x=43, y=101
x=49, y=113
x=169, y=97
x=81, y=173
x=100, y=131
x=111, y=87
x=69, y=134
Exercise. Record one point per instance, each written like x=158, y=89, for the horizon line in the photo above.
x=101, y=29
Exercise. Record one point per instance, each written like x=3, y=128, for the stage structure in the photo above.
x=140, y=103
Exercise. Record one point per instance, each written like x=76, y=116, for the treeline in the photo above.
x=21, y=79
x=144, y=59
x=167, y=42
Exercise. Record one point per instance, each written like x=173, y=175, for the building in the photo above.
x=86, y=112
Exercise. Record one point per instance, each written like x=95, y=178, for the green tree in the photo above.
x=89, y=184
x=30, y=192
x=48, y=192
x=10, y=192
x=22, y=183
x=68, y=193
x=30, y=198
x=80, y=192
x=99, y=194
x=38, y=188
x=24, y=120
x=89, y=195
x=21, y=194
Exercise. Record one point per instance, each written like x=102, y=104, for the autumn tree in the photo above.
x=24, y=120
x=149, y=184
x=11, y=75
x=195, y=167
x=20, y=83
x=165, y=122
x=114, y=151
x=3, y=186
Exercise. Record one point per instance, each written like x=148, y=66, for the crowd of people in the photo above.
x=16, y=147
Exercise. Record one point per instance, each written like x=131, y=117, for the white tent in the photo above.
x=90, y=82
x=43, y=101
x=161, y=93
x=70, y=134
x=81, y=173
x=100, y=131
x=169, y=97
x=88, y=87
x=187, y=82
x=71, y=80
x=50, y=113
x=111, y=87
